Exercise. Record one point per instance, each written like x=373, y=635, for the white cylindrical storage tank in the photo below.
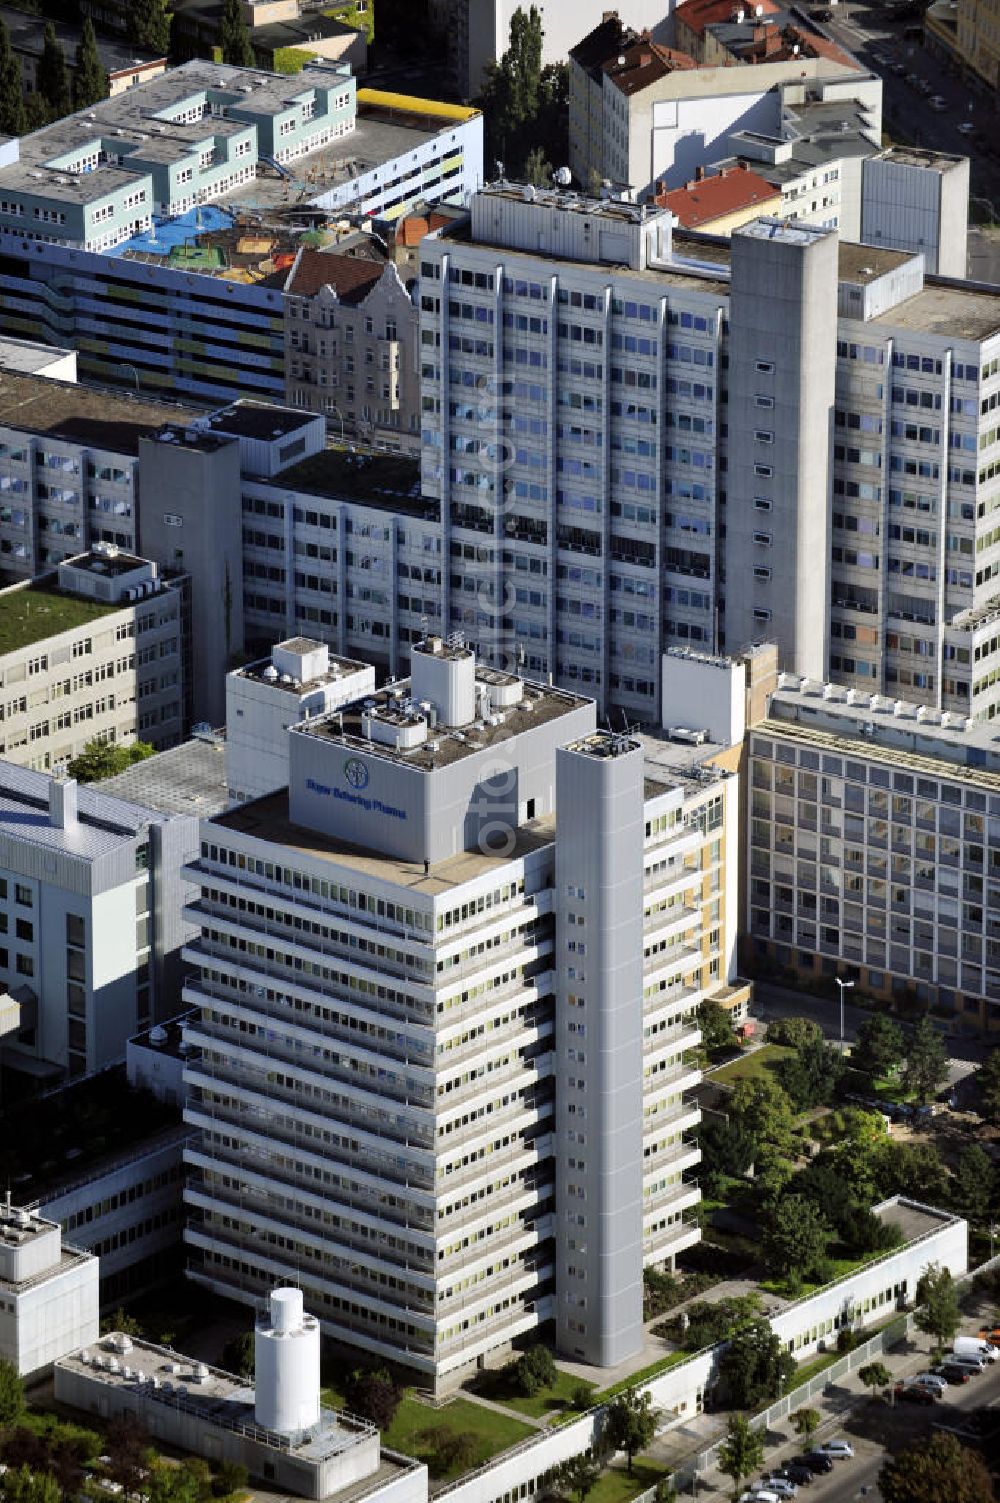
x=286, y=1353
x=446, y=677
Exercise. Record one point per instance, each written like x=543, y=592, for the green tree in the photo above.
x=21, y=1485
x=578, y=1476
x=728, y=1150
x=741, y=1452
x=912, y=1169
x=51, y=78
x=988, y=1074
x=754, y=1366
x=448, y=1451
x=880, y=1047
x=148, y=25
x=374, y=1394
x=629, y=1424
x=128, y=1453
x=972, y=1186
x=12, y=1403
x=533, y=1371
x=805, y=1422
x=90, y=82
x=191, y=1482
x=716, y=1026
x=795, y=1033
x=761, y=1108
x=13, y=119
x=234, y=36
x=926, y=1066
x=515, y=97
x=810, y=1077
x=934, y=1470
x=238, y=1355
x=937, y=1313
x=231, y=1477
x=875, y=1375
x=796, y=1238
x=100, y=760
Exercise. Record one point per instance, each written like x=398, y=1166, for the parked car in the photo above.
x=971, y=1365
x=783, y=1486
x=839, y=1448
x=816, y=1461
x=800, y=1475
x=821, y=14
x=953, y=1373
x=916, y=1393
x=759, y=1495
x=923, y=86
x=931, y=1380
x=938, y=106
x=974, y=1346
x=966, y=128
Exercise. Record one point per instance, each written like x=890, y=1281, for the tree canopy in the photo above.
x=526, y=105
x=754, y=1366
x=934, y=1470
x=100, y=760
x=13, y=118
x=811, y=1075
x=741, y=1452
x=937, y=1312
x=11, y=1394
x=629, y=1424
x=796, y=1238
x=926, y=1067
x=90, y=82
x=51, y=77
x=761, y=1107
x=988, y=1074
x=880, y=1046
x=234, y=36
x=148, y=25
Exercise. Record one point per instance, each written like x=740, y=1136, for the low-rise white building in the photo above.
x=48, y=1292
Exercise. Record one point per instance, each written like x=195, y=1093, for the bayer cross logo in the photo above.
x=356, y=773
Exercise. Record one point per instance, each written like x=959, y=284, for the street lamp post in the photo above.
x=844, y=986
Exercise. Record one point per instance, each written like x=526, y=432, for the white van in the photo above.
x=974, y=1346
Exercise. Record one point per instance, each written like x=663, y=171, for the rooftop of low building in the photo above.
x=85, y=414
x=263, y=420
x=951, y=310
x=104, y=823
x=185, y=779
x=267, y=819
x=643, y=63
x=717, y=195
x=389, y=482
x=873, y=727
x=35, y=612
x=28, y=356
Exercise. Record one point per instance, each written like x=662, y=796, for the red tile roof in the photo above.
x=351, y=277
x=645, y=63
x=699, y=203
x=696, y=15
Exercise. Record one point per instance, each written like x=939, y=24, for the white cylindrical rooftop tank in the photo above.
x=286, y=1353
x=445, y=676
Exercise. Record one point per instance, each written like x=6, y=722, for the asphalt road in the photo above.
x=863, y=30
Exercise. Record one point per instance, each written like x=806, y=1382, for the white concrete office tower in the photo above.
x=286, y=1365
x=373, y=1082
x=48, y=1292
x=299, y=680
x=782, y=340
x=90, y=907
x=599, y=1047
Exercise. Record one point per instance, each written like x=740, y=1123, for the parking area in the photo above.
x=873, y=1427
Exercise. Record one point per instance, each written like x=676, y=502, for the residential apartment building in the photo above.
x=90, y=921
x=96, y=651
x=124, y=64
x=476, y=33
x=445, y=996
x=870, y=835
x=352, y=343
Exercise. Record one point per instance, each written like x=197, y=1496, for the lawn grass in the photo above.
x=559, y=1395
x=492, y=1432
x=29, y=614
x=840, y=1267
x=756, y=1065
x=616, y=1486
x=642, y=1376
x=810, y=1369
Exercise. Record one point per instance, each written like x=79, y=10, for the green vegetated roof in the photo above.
x=39, y=611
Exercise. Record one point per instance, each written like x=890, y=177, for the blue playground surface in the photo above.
x=167, y=234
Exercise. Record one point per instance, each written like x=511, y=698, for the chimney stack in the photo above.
x=699, y=174
x=62, y=803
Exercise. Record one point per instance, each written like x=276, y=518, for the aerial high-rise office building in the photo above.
x=445, y=1015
